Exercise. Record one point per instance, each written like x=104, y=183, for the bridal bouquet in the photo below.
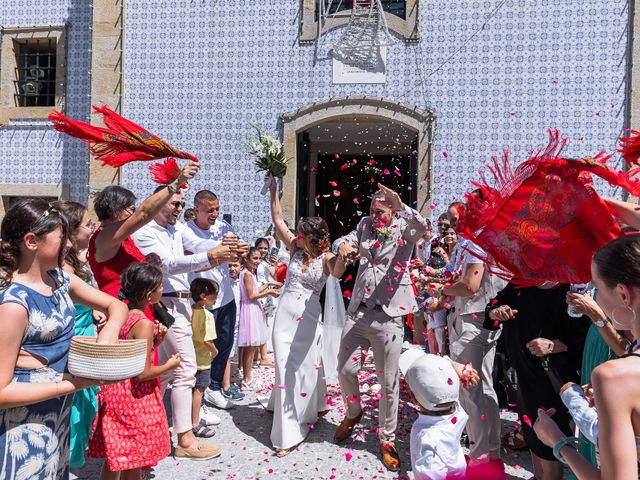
x=269, y=154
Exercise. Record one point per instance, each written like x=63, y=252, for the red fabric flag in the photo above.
x=121, y=142
x=543, y=220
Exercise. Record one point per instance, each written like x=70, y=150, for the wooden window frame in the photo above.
x=406, y=28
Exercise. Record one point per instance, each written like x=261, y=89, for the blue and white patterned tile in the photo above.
x=199, y=73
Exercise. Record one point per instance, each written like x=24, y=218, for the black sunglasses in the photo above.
x=177, y=204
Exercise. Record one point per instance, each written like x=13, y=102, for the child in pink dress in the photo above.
x=252, y=329
x=130, y=430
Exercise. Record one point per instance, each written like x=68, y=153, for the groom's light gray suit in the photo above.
x=381, y=296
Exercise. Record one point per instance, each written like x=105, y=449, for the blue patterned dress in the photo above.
x=34, y=440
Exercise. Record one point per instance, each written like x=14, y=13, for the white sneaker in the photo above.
x=210, y=418
x=216, y=399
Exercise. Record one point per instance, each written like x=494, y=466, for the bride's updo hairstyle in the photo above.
x=32, y=215
x=319, y=231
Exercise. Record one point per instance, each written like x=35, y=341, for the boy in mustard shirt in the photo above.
x=203, y=292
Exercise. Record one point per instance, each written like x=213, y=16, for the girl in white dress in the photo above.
x=298, y=393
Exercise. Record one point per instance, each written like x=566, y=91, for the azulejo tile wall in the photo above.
x=31, y=151
x=201, y=72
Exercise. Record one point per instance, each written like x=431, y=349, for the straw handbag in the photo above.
x=117, y=361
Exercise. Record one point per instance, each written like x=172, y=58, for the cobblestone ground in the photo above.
x=247, y=454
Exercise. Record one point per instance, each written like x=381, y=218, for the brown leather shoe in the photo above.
x=345, y=429
x=389, y=455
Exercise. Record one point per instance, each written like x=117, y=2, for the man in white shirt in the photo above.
x=163, y=237
x=470, y=342
x=209, y=231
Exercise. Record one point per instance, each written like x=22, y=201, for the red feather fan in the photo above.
x=123, y=141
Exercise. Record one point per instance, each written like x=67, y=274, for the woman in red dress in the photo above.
x=111, y=248
x=130, y=430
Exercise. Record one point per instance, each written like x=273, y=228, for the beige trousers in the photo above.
x=179, y=339
x=372, y=328
x=469, y=342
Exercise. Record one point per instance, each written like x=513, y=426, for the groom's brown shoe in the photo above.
x=389, y=456
x=345, y=429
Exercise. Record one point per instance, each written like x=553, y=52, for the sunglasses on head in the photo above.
x=177, y=204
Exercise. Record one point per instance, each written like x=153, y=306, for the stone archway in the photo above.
x=358, y=108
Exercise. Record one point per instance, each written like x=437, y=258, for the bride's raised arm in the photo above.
x=276, y=217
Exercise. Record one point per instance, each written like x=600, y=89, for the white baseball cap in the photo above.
x=431, y=378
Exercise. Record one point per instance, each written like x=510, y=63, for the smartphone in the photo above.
x=227, y=218
x=273, y=254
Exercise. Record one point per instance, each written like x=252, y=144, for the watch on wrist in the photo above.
x=599, y=323
x=173, y=190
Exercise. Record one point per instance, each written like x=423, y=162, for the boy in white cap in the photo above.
x=436, y=453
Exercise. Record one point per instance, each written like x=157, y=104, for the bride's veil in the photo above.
x=334, y=320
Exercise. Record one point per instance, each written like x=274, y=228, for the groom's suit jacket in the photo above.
x=383, y=275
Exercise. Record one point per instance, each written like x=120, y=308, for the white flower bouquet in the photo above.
x=269, y=155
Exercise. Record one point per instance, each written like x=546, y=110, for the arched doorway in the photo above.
x=341, y=161
x=339, y=149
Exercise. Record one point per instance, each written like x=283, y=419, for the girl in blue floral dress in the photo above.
x=36, y=326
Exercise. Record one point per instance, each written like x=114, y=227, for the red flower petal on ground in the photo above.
x=348, y=456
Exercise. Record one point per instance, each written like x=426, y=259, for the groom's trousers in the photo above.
x=371, y=327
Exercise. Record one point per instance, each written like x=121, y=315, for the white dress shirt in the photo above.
x=167, y=244
x=436, y=453
x=204, y=240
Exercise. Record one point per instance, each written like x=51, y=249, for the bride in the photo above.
x=298, y=393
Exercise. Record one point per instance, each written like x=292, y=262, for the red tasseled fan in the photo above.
x=165, y=172
x=543, y=220
x=121, y=142
x=630, y=148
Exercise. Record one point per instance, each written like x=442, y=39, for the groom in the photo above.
x=384, y=243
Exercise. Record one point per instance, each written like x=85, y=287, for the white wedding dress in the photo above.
x=299, y=388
